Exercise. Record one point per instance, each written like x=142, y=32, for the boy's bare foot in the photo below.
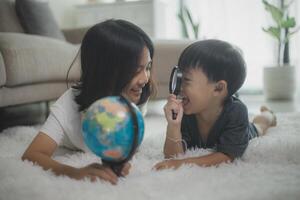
x=264, y=120
x=269, y=114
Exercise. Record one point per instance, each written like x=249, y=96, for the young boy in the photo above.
x=209, y=116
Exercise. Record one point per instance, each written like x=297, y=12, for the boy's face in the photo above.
x=198, y=92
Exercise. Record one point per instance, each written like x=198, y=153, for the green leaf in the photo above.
x=196, y=30
x=273, y=31
x=195, y=26
x=184, y=25
x=289, y=22
x=276, y=13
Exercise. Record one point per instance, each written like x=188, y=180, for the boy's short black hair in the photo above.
x=218, y=60
x=110, y=55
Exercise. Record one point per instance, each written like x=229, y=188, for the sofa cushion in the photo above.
x=36, y=18
x=9, y=21
x=31, y=93
x=32, y=59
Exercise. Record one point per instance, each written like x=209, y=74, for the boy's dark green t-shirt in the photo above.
x=230, y=134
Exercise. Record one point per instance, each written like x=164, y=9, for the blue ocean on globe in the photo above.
x=108, y=128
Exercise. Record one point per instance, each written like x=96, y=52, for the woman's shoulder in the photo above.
x=67, y=96
x=66, y=102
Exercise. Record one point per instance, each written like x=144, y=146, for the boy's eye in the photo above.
x=185, y=81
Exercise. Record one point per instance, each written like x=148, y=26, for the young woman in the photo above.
x=116, y=58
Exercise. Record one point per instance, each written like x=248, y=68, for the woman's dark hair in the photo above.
x=110, y=55
x=218, y=60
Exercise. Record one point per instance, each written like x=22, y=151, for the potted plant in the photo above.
x=280, y=80
x=190, y=28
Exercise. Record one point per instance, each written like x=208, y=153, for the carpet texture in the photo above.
x=269, y=169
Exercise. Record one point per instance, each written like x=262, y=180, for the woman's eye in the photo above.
x=149, y=66
x=139, y=70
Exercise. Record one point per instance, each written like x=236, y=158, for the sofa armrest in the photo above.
x=75, y=35
x=30, y=59
x=166, y=56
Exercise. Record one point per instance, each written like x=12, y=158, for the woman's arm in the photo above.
x=40, y=151
x=42, y=148
x=204, y=161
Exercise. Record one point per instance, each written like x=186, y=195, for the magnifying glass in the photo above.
x=175, y=84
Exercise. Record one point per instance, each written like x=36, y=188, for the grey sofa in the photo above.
x=33, y=68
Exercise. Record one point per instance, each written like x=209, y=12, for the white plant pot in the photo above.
x=279, y=82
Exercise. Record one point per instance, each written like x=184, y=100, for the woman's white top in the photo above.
x=63, y=124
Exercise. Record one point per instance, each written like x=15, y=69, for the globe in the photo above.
x=109, y=126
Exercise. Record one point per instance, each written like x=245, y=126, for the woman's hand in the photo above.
x=126, y=169
x=173, y=105
x=168, y=164
x=97, y=171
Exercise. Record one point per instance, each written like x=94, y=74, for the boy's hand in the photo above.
x=168, y=164
x=173, y=105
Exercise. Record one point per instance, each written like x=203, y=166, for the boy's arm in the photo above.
x=208, y=160
x=204, y=161
x=173, y=142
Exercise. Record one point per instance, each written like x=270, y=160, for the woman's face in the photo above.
x=134, y=89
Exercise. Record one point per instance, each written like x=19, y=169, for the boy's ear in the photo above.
x=221, y=86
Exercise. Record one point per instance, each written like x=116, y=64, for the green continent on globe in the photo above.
x=109, y=123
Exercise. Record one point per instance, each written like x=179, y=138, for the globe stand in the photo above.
x=116, y=167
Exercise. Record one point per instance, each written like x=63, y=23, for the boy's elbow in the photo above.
x=169, y=155
x=26, y=156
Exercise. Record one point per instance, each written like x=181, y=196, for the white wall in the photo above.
x=64, y=11
x=240, y=22
x=236, y=21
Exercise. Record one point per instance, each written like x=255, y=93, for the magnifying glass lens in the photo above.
x=174, y=81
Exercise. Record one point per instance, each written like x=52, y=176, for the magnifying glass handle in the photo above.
x=174, y=115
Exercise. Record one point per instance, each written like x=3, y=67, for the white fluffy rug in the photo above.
x=270, y=169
